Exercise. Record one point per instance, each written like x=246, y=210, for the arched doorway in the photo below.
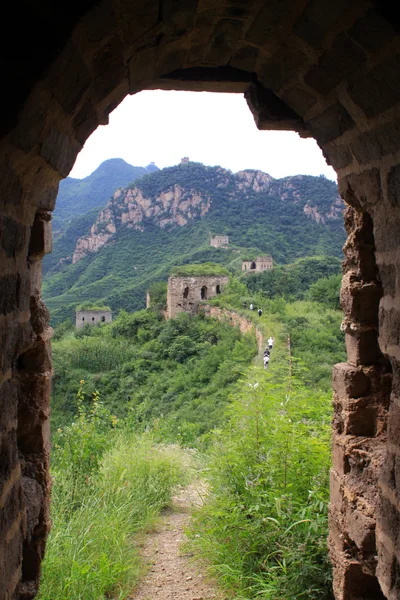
x=186, y=292
x=203, y=292
x=303, y=68
x=253, y=266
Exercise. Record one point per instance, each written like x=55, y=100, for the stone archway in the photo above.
x=326, y=72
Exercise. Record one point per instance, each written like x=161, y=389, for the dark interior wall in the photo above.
x=325, y=70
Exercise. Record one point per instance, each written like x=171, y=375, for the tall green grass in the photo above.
x=108, y=485
x=264, y=527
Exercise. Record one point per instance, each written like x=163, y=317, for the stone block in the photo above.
x=267, y=21
x=372, y=31
x=108, y=68
x=245, y=58
x=340, y=460
x=315, y=22
x=360, y=302
x=12, y=236
x=361, y=190
x=349, y=381
x=337, y=155
x=85, y=122
x=9, y=285
x=10, y=185
x=343, y=58
x=36, y=360
x=393, y=183
x=360, y=418
x=374, y=144
x=69, y=78
x=378, y=90
x=59, y=150
x=360, y=529
x=41, y=236
x=35, y=272
x=270, y=112
x=298, y=99
x=394, y=424
x=224, y=41
x=336, y=492
x=330, y=124
x=362, y=348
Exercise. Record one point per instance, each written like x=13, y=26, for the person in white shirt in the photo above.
x=266, y=361
x=251, y=307
x=270, y=342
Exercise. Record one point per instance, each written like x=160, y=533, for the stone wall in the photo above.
x=184, y=294
x=219, y=241
x=260, y=264
x=326, y=70
x=234, y=319
x=92, y=317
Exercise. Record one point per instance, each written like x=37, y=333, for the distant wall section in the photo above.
x=261, y=263
x=219, y=241
x=92, y=317
x=184, y=294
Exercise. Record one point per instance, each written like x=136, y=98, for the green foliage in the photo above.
x=178, y=371
x=200, y=270
x=264, y=526
x=108, y=484
x=158, y=295
x=88, y=305
x=326, y=291
x=293, y=281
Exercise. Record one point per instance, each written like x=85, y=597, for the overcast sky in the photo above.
x=215, y=129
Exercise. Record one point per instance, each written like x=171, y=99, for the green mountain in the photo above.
x=166, y=218
x=77, y=196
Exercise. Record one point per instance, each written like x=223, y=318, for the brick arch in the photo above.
x=329, y=73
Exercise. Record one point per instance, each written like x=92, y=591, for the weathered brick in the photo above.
x=9, y=285
x=378, y=90
x=361, y=190
x=343, y=58
x=224, y=41
x=41, y=236
x=316, y=21
x=393, y=182
x=373, y=144
x=331, y=124
x=12, y=236
x=69, y=78
x=362, y=349
x=349, y=381
x=59, y=150
x=267, y=21
x=372, y=31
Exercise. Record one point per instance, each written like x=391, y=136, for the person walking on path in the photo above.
x=266, y=360
x=270, y=342
x=245, y=304
x=259, y=312
x=251, y=306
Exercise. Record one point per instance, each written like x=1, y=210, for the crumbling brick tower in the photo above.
x=324, y=69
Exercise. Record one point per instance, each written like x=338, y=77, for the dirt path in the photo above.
x=173, y=575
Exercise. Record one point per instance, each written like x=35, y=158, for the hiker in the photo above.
x=270, y=342
x=245, y=304
x=251, y=306
x=266, y=361
x=266, y=352
x=259, y=312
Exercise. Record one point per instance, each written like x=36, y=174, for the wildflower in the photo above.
x=114, y=420
x=82, y=381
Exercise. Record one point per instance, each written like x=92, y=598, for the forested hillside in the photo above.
x=142, y=404
x=167, y=217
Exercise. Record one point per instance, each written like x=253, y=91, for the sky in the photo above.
x=211, y=128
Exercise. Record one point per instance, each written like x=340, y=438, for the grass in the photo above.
x=91, y=554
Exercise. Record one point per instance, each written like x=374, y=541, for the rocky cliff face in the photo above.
x=175, y=196
x=131, y=208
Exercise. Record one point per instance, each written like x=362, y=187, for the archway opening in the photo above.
x=203, y=292
x=186, y=292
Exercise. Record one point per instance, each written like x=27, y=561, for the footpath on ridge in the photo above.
x=173, y=574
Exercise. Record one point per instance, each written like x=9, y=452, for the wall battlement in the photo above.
x=184, y=294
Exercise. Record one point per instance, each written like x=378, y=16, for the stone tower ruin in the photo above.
x=92, y=317
x=327, y=70
x=184, y=294
x=219, y=241
x=261, y=263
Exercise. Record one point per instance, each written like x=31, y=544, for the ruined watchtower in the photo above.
x=92, y=317
x=191, y=284
x=219, y=241
x=261, y=263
